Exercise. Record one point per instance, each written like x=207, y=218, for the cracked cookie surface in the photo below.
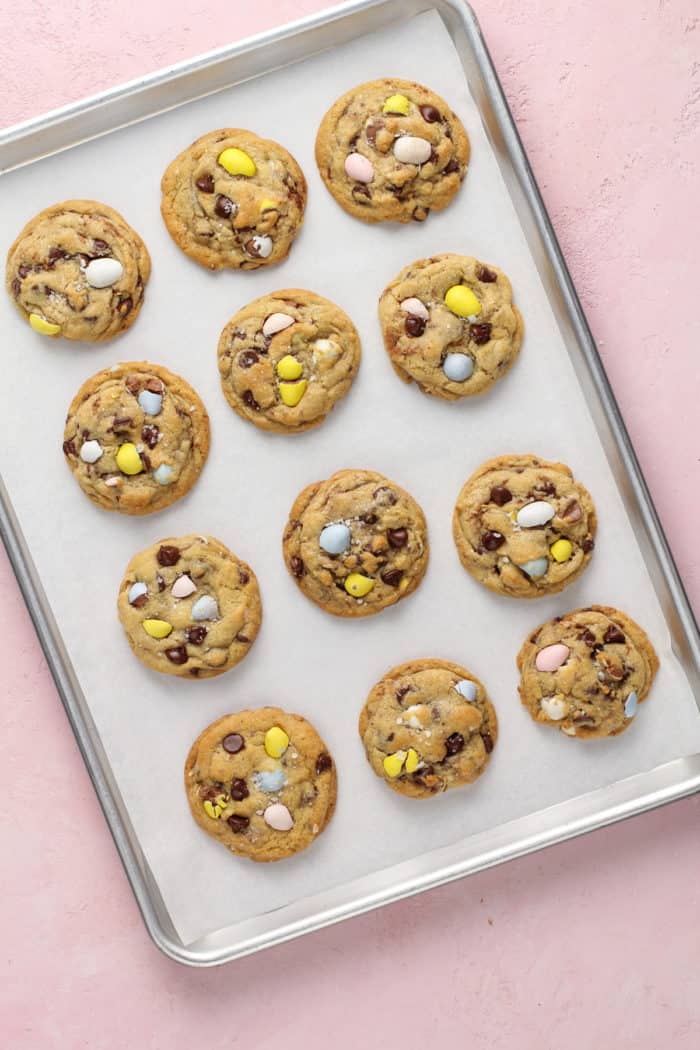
x=356, y=543
x=449, y=324
x=262, y=783
x=586, y=672
x=78, y=271
x=523, y=526
x=392, y=150
x=232, y=200
x=287, y=358
x=136, y=437
x=427, y=726
x=189, y=607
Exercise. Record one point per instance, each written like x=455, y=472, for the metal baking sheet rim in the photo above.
x=66, y=127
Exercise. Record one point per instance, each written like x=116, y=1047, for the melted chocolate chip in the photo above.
x=156, y=386
x=250, y=401
x=613, y=634
x=140, y=601
x=133, y=384
x=100, y=247
x=392, y=577
x=500, y=495
x=161, y=583
x=233, y=743
x=205, y=183
x=401, y=692
x=297, y=566
x=588, y=637
x=240, y=637
x=572, y=511
x=177, y=654
x=54, y=255
x=16, y=287
x=125, y=306
x=243, y=577
x=544, y=487
x=323, y=763
x=369, y=519
x=430, y=114
x=385, y=495
x=168, y=555
x=486, y=276
x=587, y=545
x=209, y=792
x=493, y=540
x=415, y=326
x=224, y=207
x=397, y=537
x=454, y=743
x=361, y=193
x=371, y=131
x=24, y=270
x=237, y=822
x=488, y=742
x=451, y=166
x=195, y=635
x=247, y=359
x=121, y=424
x=150, y=435
x=239, y=789
x=480, y=333
x=69, y=448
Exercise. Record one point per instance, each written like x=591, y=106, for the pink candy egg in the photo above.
x=359, y=168
x=278, y=817
x=552, y=657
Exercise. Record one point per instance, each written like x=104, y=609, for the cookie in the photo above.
x=233, y=201
x=449, y=325
x=286, y=359
x=189, y=607
x=136, y=437
x=586, y=672
x=78, y=270
x=261, y=782
x=427, y=726
x=524, y=527
x=391, y=151
x=356, y=543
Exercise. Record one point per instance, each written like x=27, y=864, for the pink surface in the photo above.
x=590, y=944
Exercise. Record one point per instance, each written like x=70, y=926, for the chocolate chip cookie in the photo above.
x=356, y=543
x=78, y=270
x=286, y=359
x=427, y=726
x=261, y=782
x=136, y=437
x=232, y=200
x=524, y=527
x=391, y=151
x=449, y=325
x=586, y=672
x=189, y=607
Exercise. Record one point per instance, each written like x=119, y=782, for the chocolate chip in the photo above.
x=587, y=545
x=225, y=207
x=161, y=583
x=138, y=603
x=177, y=655
x=544, y=487
x=240, y=637
x=237, y=822
x=247, y=359
x=572, y=511
x=125, y=306
x=150, y=435
x=613, y=634
x=100, y=247
x=584, y=720
x=385, y=495
x=243, y=577
x=168, y=555
x=250, y=401
x=209, y=792
x=371, y=131
x=297, y=566
x=54, y=255
x=451, y=166
x=360, y=191
x=233, y=743
x=415, y=326
x=488, y=742
x=133, y=384
x=480, y=333
x=69, y=448
x=121, y=423
x=397, y=537
x=500, y=495
x=588, y=637
x=493, y=540
x=485, y=275
x=24, y=270
x=323, y=763
x=420, y=214
x=369, y=519
x=205, y=183
x=16, y=287
x=430, y=114
x=252, y=248
x=195, y=635
x=392, y=577
x=401, y=692
x=156, y=386
x=454, y=743
x=239, y=789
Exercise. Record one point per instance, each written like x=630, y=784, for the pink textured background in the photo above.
x=590, y=944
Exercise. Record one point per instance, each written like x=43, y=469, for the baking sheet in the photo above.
x=305, y=660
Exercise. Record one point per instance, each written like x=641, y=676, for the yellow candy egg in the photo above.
x=393, y=764
x=462, y=301
x=289, y=367
x=561, y=550
x=128, y=459
x=412, y=760
x=43, y=327
x=211, y=810
x=276, y=742
x=358, y=585
x=292, y=393
x=157, y=628
x=237, y=162
x=397, y=104
x=267, y=204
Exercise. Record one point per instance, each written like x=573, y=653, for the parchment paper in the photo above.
x=305, y=660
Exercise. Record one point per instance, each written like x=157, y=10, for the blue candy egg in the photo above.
x=150, y=403
x=335, y=539
x=270, y=780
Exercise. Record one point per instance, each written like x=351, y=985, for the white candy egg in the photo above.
x=90, y=451
x=101, y=273
x=534, y=514
x=410, y=149
x=555, y=707
x=183, y=587
x=467, y=689
x=276, y=323
x=205, y=608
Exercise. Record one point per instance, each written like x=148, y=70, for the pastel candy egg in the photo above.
x=278, y=817
x=205, y=608
x=561, y=550
x=467, y=689
x=289, y=367
x=128, y=459
x=458, y=367
x=237, y=162
x=270, y=780
x=267, y=204
x=534, y=514
x=157, y=628
x=409, y=149
x=393, y=764
x=136, y=591
x=101, y=273
x=631, y=704
x=462, y=301
x=276, y=323
x=276, y=742
x=90, y=451
x=415, y=308
x=552, y=657
x=259, y=247
x=535, y=568
x=335, y=538
x=183, y=587
x=42, y=326
x=326, y=349
x=292, y=393
x=555, y=707
x=397, y=104
x=163, y=474
x=359, y=168
x=412, y=760
x=150, y=403
x=357, y=585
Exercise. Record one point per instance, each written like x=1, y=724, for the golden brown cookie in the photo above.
x=392, y=150
x=232, y=200
x=449, y=325
x=356, y=543
x=261, y=782
x=287, y=358
x=189, y=607
x=524, y=527
x=136, y=437
x=427, y=726
x=78, y=270
x=586, y=672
